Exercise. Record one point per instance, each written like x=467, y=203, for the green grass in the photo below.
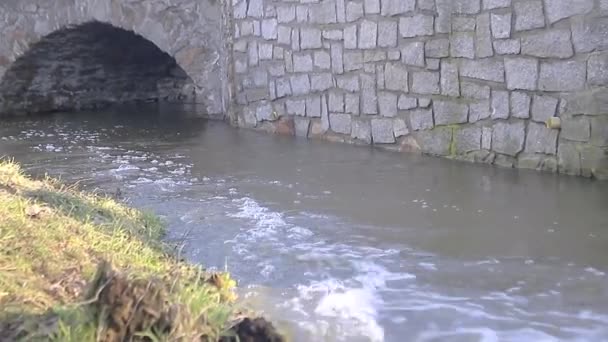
x=53, y=239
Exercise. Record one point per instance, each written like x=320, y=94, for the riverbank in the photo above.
x=76, y=266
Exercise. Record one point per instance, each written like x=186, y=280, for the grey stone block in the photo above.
x=589, y=34
x=562, y=75
x=520, y=105
x=484, y=69
x=296, y=107
x=265, y=51
x=483, y=37
x=322, y=60
x=302, y=126
x=302, y=62
x=421, y=119
x=466, y=6
x=295, y=39
x=493, y=4
x=387, y=33
x=554, y=43
x=500, y=104
x=428, y=5
x=436, y=141
x=432, y=63
x=369, y=98
x=400, y=128
x=362, y=130
x=529, y=15
x=264, y=112
x=424, y=102
x=394, y=55
x=340, y=123
x=368, y=34
x=437, y=48
x=388, y=104
x=336, y=102
x=310, y=38
x=353, y=60
x=321, y=82
x=407, y=102
x=541, y=139
x=413, y=54
x=462, y=45
x=348, y=82
x=255, y=8
x=300, y=84
x=354, y=11
x=350, y=37
x=599, y=131
x=417, y=25
x=301, y=13
x=284, y=35
x=269, y=29
x=425, y=82
x=508, y=137
x=351, y=103
x=474, y=91
x=576, y=129
x=450, y=112
x=479, y=110
x=396, y=77
x=313, y=106
x=522, y=73
x=286, y=14
x=382, y=131
x=252, y=53
x=370, y=56
x=543, y=107
x=371, y=6
x=450, y=85
x=283, y=87
x=501, y=25
x=323, y=13
x=597, y=69
x=486, y=138
x=559, y=9
x=333, y=34
x=337, y=55
x=463, y=24
x=569, y=159
x=507, y=46
x=396, y=7
x=467, y=139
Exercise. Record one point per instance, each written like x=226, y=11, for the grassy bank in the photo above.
x=84, y=267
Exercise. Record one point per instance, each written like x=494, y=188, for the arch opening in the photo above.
x=91, y=66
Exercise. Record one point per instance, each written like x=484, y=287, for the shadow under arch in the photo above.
x=89, y=66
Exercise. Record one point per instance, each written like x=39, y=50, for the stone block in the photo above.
x=283, y=87
x=508, y=137
x=310, y=38
x=553, y=43
x=348, y=82
x=350, y=37
x=239, y=9
x=362, y=131
x=450, y=112
x=472, y=90
x=424, y=102
x=421, y=119
x=370, y=56
x=576, y=129
x=400, y=128
x=599, y=131
x=382, y=131
x=425, y=82
x=302, y=62
x=467, y=139
x=543, y=107
x=300, y=84
x=313, y=106
x=479, y=110
x=528, y=15
x=594, y=162
x=296, y=107
x=369, y=98
x=252, y=53
x=487, y=69
x=432, y=63
x=336, y=102
x=500, y=104
x=562, y=75
x=269, y=29
x=520, y=105
x=387, y=33
x=321, y=82
x=353, y=60
x=302, y=126
x=337, y=55
x=589, y=34
x=295, y=39
x=396, y=7
x=407, y=102
x=597, y=69
x=286, y=14
x=541, y=139
x=415, y=26
x=322, y=60
x=340, y=123
x=466, y=6
x=394, y=55
x=483, y=37
x=521, y=73
x=255, y=8
x=501, y=25
x=264, y=112
x=395, y=75
x=437, y=48
x=569, y=159
x=351, y=103
x=354, y=11
x=462, y=45
x=463, y=24
x=323, y=13
x=559, y=9
x=371, y=6
x=486, y=138
x=388, y=104
x=284, y=35
x=450, y=85
x=493, y=4
x=507, y=46
x=436, y=141
x=334, y=34
x=265, y=51
x=368, y=34
x=413, y=54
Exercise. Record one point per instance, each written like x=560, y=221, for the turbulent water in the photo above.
x=345, y=243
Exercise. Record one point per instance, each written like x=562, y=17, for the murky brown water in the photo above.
x=351, y=243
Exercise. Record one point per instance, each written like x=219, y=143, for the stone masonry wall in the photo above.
x=476, y=80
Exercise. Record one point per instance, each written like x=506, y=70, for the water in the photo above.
x=344, y=243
